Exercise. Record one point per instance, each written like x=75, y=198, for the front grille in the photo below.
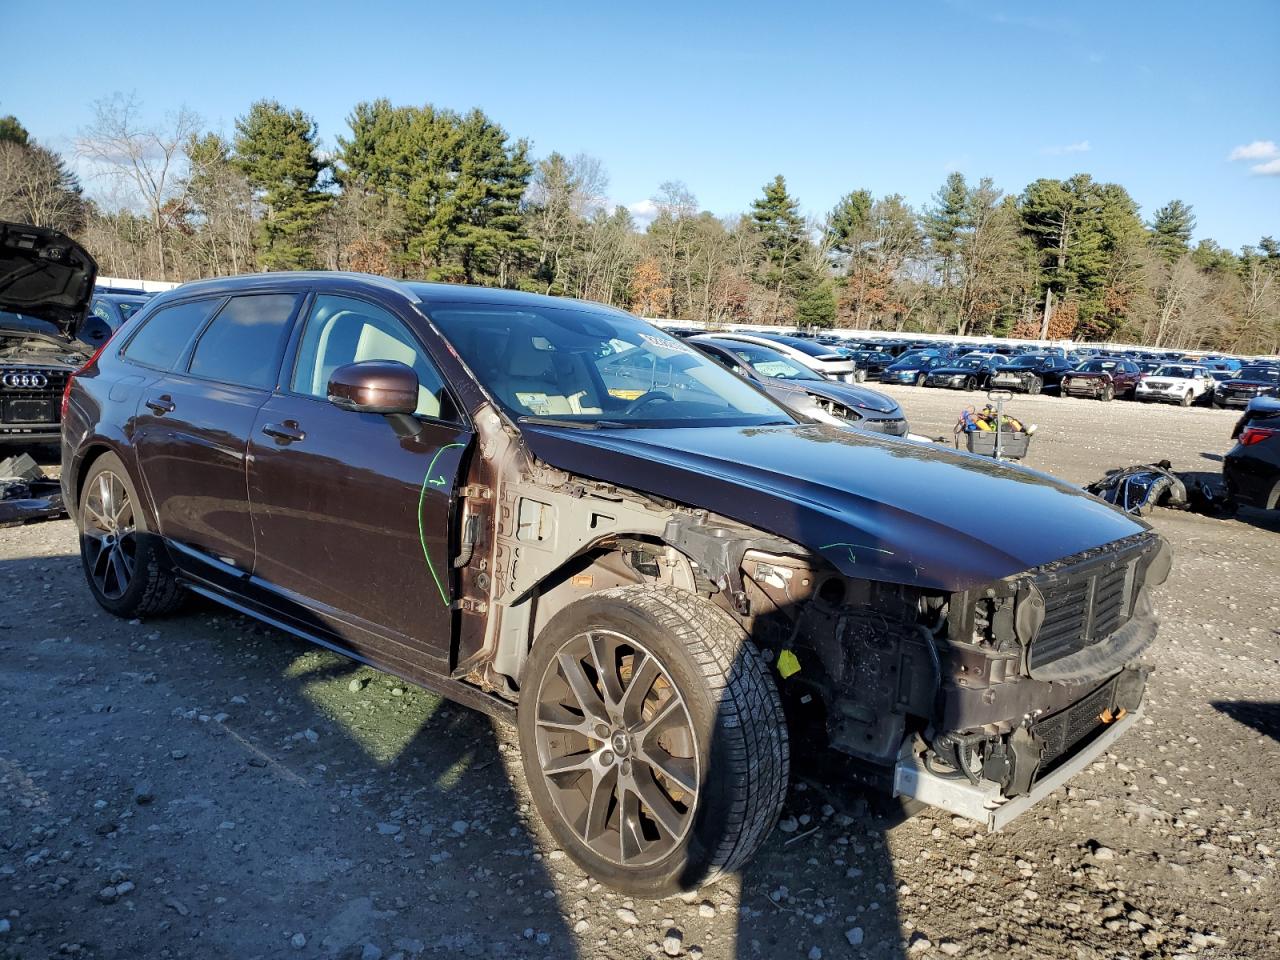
x=22, y=402
x=1066, y=728
x=1083, y=605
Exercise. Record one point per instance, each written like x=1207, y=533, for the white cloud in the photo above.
x=1081, y=146
x=643, y=210
x=1258, y=150
x=1269, y=169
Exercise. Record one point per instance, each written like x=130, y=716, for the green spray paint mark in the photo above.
x=422, y=499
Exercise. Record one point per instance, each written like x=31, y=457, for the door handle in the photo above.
x=161, y=405
x=284, y=433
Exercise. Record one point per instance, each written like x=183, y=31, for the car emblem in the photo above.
x=28, y=380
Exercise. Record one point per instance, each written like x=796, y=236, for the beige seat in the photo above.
x=376, y=344
x=544, y=383
x=350, y=337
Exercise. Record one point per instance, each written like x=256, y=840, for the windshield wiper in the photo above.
x=571, y=424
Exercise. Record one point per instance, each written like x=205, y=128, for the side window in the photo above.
x=343, y=330
x=166, y=333
x=242, y=344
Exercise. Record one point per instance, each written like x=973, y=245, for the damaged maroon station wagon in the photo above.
x=559, y=514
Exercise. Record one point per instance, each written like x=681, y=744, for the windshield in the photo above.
x=1175, y=370
x=813, y=348
x=129, y=307
x=588, y=367
x=1097, y=366
x=1259, y=373
x=771, y=363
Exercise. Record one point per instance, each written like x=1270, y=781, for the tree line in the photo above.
x=428, y=193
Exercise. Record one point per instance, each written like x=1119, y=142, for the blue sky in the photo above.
x=835, y=96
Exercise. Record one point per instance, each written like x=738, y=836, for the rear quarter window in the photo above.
x=164, y=335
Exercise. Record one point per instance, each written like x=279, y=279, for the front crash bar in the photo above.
x=984, y=803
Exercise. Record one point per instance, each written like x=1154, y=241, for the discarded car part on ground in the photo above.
x=46, y=282
x=26, y=494
x=638, y=554
x=1141, y=488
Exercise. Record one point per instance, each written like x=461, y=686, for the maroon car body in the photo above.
x=444, y=482
x=1102, y=379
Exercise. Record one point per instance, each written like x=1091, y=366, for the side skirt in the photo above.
x=458, y=692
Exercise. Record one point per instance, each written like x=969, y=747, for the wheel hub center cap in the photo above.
x=621, y=743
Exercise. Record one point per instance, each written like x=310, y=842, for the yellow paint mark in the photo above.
x=788, y=664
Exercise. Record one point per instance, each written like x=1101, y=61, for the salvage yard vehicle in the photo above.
x=1254, y=380
x=46, y=281
x=1102, y=379
x=1031, y=372
x=664, y=591
x=798, y=388
x=912, y=368
x=966, y=373
x=1251, y=469
x=818, y=357
x=1179, y=383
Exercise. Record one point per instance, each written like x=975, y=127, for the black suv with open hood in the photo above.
x=46, y=282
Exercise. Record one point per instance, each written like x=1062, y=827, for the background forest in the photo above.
x=427, y=193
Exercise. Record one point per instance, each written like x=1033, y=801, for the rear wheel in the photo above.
x=125, y=565
x=859, y=376
x=970, y=383
x=653, y=739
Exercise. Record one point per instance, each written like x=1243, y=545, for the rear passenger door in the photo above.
x=193, y=423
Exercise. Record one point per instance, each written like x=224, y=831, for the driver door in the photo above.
x=351, y=519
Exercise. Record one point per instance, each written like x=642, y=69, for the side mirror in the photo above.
x=374, y=386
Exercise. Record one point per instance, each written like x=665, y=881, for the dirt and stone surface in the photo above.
x=202, y=786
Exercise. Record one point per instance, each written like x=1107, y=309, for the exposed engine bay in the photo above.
x=989, y=689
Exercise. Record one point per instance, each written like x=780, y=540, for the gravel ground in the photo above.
x=203, y=786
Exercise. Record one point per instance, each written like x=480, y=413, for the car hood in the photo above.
x=875, y=507
x=846, y=393
x=1015, y=370
x=1167, y=381
x=46, y=280
x=1089, y=374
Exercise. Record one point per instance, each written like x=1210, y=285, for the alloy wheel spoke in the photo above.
x=569, y=763
x=599, y=797
x=555, y=716
x=630, y=832
x=583, y=689
x=668, y=712
x=660, y=806
x=682, y=771
x=643, y=674
x=602, y=658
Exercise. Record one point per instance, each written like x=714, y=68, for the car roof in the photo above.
x=418, y=292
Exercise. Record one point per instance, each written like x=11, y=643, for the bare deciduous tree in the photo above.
x=126, y=148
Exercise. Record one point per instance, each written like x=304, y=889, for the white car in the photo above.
x=818, y=357
x=1182, y=383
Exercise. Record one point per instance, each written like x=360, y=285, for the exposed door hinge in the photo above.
x=476, y=491
x=468, y=605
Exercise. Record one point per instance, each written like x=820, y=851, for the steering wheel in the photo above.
x=645, y=399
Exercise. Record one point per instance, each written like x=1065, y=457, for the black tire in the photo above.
x=1187, y=399
x=150, y=588
x=920, y=378
x=734, y=721
x=1034, y=386
x=970, y=383
x=1108, y=394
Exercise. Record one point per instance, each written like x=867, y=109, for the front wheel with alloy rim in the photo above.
x=1108, y=393
x=653, y=739
x=1034, y=385
x=125, y=564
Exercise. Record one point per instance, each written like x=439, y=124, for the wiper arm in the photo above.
x=571, y=424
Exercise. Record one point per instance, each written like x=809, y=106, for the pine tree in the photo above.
x=1171, y=230
x=848, y=221
x=11, y=131
x=776, y=218
x=276, y=149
